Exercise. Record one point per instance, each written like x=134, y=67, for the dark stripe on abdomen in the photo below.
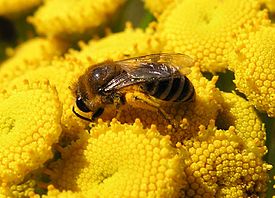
x=161, y=87
x=187, y=92
x=173, y=89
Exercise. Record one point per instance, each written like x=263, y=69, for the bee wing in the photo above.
x=148, y=68
x=181, y=62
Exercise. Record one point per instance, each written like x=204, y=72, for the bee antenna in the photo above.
x=80, y=116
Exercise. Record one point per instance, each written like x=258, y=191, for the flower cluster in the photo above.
x=116, y=46
x=253, y=63
x=136, y=162
x=221, y=164
x=30, y=125
x=29, y=56
x=206, y=30
x=76, y=17
x=212, y=146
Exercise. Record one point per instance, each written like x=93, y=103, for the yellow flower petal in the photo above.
x=120, y=160
x=253, y=62
x=205, y=29
x=65, y=17
x=29, y=125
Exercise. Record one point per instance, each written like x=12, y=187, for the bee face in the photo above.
x=87, y=97
x=156, y=75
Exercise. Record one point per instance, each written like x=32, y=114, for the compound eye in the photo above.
x=81, y=105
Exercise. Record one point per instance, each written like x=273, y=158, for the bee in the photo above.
x=114, y=83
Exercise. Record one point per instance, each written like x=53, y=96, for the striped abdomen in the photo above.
x=177, y=89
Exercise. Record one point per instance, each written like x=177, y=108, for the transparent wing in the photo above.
x=148, y=68
x=177, y=60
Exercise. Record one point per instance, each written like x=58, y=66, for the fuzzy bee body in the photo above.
x=156, y=75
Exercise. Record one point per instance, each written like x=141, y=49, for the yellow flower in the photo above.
x=157, y=6
x=205, y=29
x=253, y=62
x=29, y=55
x=62, y=73
x=63, y=18
x=17, y=7
x=46, y=150
x=120, y=160
x=221, y=165
x=240, y=113
x=29, y=125
x=116, y=46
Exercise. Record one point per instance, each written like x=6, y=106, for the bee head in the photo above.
x=80, y=103
x=87, y=90
x=86, y=102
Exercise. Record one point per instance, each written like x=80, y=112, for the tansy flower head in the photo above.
x=29, y=125
x=153, y=148
x=120, y=160
x=220, y=164
x=29, y=56
x=239, y=113
x=253, y=62
x=75, y=17
x=205, y=29
x=61, y=73
x=116, y=46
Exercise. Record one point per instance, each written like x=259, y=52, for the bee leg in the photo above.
x=154, y=106
x=168, y=118
x=119, y=101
